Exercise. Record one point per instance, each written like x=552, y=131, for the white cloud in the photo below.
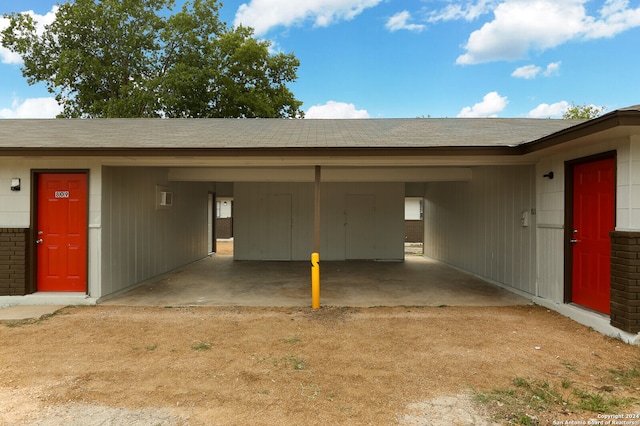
x=527, y=72
x=334, y=109
x=400, y=21
x=9, y=57
x=552, y=69
x=465, y=11
x=615, y=17
x=531, y=71
x=262, y=15
x=491, y=104
x=520, y=26
x=32, y=108
x=548, y=111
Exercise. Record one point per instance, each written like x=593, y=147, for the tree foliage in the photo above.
x=142, y=58
x=582, y=112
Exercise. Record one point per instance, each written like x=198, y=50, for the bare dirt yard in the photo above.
x=290, y=366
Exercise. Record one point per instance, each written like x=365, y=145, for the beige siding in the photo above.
x=476, y=226
x=551, y=203
x=550, y=254
x=140, y=240
x=259, y=209
x=387, y=239
x=255, y=215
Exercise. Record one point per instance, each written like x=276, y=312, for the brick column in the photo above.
x=625, y=281
x=13, y=261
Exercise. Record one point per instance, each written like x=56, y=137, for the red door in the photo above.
x=62, y=232
x=593, y=219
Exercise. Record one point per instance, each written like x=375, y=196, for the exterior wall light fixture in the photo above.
x=548, y=175
x=15, y=184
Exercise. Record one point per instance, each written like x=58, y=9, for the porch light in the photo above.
x=15, y=184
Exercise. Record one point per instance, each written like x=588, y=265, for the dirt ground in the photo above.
x=224, y=247
x=284, y=366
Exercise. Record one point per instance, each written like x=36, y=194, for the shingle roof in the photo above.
x=274, y=133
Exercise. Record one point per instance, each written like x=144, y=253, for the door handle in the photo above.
x=39, y=241
x=573, y=240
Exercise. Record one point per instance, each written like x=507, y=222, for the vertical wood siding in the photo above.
x=475, y=225
x=252, y=218
x=551, y=260
x=140, y=241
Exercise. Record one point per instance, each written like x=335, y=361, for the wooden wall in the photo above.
x=140, y=239
x=476, y=225
x=274, y=221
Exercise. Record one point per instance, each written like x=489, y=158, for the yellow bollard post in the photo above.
x=315, y=280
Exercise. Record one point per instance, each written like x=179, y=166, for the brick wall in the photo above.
x=413, y=231
x=224, y=227
x=13, y=261
x=625, y=281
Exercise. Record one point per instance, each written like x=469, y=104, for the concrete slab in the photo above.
x=27, y=312
x=48, y=298
x=221, y=281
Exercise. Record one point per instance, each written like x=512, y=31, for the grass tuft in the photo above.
x=295, y=362
x=600, y=403
x=528, y=399
x=203, y=346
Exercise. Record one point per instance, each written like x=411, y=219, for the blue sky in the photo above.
x=431, y=58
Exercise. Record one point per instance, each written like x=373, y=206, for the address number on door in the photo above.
x=61, y=194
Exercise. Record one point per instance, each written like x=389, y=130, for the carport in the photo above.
x=148, y=188
x=497, y=201
x=221, y=281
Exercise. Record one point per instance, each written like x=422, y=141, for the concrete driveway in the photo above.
x=220, y=281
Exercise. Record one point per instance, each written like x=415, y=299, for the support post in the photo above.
x=315, y=256
x=316, y=213
x=315, y=280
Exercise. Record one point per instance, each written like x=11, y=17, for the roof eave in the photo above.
x=260, y=152
x=617, y=118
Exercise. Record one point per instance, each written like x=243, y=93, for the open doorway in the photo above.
x=224, y=226
x=413, y=226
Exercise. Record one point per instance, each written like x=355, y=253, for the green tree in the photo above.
x=582, y=112
x=142, y=58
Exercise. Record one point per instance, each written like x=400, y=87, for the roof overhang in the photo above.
x=289, y=143
x=620, y=123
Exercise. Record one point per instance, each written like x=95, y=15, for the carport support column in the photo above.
x=315, y=256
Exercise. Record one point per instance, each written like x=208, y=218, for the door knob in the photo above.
x=39, y=241
x=573, y=240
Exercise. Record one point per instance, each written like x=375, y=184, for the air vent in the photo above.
x=166, y=198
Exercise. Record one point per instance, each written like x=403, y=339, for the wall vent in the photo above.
x=166, y=198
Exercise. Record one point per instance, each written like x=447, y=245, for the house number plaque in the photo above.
x=61, y=194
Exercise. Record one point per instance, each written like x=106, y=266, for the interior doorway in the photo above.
x=223, y=218
x=413, y=226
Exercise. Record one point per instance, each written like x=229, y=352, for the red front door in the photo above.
x=593, y=219
x=62, y=232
